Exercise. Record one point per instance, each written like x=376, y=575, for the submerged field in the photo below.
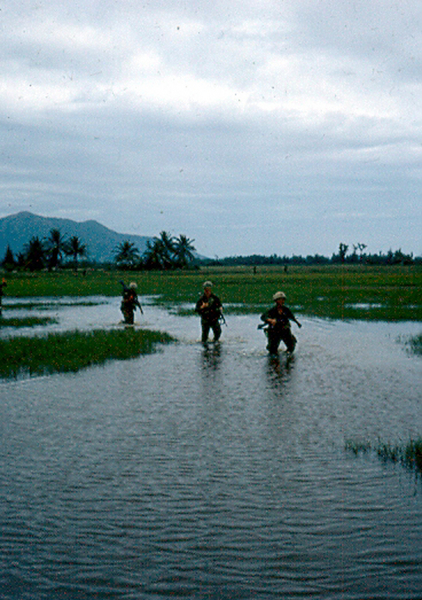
x=345, y=293
x=217, y=468
x=369, y=293
x=222, y=467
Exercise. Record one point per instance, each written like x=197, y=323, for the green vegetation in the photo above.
x=345, y=256
x=166, y=252
x=340, y=292
x=26, y=321
x=409, y=454
x=62, y=352
x=40, y=305
x=41, y=253
x=415, y=344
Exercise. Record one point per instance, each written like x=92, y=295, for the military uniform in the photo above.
x=210, y=315
x=281, y=330
x=129, y=303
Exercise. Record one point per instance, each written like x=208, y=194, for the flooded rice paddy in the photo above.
x=213, y=472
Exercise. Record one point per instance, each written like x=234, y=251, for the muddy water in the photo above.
x=214, y=472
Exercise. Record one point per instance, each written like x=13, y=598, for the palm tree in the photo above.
x=56, y=245
x=153, y=255
x=75, y=248
x=184, y=251
x=127, y=255
x=361, y=247
x=160, y=252
x=342, y=251
x=35, y=254
x=167, y=247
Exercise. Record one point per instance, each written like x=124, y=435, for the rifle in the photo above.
x=124, y=286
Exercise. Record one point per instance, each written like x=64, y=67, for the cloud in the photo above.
x=251, y=127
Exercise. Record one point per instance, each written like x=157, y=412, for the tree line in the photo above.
x=56, y=251
x=48, y=253
x=162, y=253
x=166, y=252
x=345, y=255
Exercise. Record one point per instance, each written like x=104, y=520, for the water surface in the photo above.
x=214, y=472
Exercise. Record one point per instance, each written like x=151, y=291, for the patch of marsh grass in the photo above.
x=357, y=447
x=39, y=305
x=413, y=454
x=26, y=321
x=408, y=454
x=415, y=344
x=75, y=350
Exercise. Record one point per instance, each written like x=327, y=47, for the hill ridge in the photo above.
x=16, y=230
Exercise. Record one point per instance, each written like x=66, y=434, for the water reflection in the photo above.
x=281, y=365
x=211, y=356
x=279, y=370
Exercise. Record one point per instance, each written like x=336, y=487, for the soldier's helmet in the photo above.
x=279, y=295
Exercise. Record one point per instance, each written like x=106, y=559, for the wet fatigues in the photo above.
x=281, y=330
x=209, y=316
x=129, y=303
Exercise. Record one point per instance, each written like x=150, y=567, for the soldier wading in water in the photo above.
x=129, y=302
x=278, y=320
x=210, y=309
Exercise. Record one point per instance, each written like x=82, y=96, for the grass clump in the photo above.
x=75, y=350
x=357, y=447
x=409, y=454
x=389, y=452
x=39, y=305
x=26, y=321
x=412, y=455
x=415, y=344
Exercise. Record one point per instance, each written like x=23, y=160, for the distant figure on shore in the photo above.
x=210, y=309
x=3, y=284
x=278, y=320
x=129, y=302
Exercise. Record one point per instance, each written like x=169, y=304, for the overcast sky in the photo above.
x=251, y=126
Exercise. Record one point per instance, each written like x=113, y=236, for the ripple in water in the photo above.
x=214, y=472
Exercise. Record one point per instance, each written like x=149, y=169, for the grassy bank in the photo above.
x=381, y=293
x=62, y=352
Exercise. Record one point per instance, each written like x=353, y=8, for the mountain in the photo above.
x=101, y=242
